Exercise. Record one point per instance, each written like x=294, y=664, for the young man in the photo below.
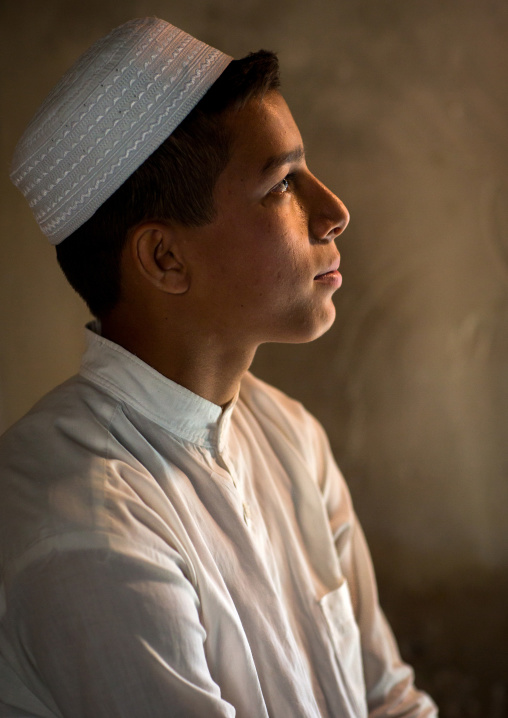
x=176, y=539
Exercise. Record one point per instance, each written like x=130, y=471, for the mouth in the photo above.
x=331, y=275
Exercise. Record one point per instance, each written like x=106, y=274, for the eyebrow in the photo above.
x=275, y=161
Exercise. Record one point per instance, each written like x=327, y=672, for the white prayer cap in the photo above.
x=108, y=113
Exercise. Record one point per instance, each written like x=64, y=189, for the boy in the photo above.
x=176, y=539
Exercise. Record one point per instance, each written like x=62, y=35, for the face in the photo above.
x=266, y=268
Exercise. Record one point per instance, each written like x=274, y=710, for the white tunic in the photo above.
x=161, y=557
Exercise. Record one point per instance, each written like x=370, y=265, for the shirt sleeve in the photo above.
x=113, y=635
x=389, y=681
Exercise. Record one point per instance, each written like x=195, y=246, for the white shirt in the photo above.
x=161, y=557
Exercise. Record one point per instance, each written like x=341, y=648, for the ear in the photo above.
x=156, y=252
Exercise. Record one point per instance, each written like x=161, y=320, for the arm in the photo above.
x=389, y=681
x=112, y=635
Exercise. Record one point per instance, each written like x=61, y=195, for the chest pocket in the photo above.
x=345, y=636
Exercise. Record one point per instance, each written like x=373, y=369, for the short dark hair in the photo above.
x=176, y=182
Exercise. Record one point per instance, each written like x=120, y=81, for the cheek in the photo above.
x=261, y=251
x=275, y=245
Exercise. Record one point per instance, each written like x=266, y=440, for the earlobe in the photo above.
x=157, y=257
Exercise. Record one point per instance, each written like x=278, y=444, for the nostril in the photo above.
x=337, y=215
x=330, y=217
x=337, y=225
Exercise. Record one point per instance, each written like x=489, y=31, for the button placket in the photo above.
x=237, y=484
x=246, y=514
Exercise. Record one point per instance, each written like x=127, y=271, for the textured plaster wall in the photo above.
x=404, y=108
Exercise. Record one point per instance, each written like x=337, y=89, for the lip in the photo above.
x=331, y=276
x=332, y=279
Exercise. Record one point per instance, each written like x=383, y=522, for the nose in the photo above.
x=328, y=216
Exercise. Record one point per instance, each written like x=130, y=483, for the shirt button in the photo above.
x=246, y=513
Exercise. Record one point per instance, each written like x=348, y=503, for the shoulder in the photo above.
x=301, y=443
x=51, y=462
x=272, y=402
x=69, y=417
x=286, y=417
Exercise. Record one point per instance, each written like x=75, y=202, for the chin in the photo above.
x=314, y=335
x=308, y=329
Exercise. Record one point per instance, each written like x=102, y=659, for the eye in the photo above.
x=284, y=185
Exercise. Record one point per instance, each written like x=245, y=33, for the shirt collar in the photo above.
x=172, y=406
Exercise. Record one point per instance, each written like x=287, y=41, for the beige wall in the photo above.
x=404, y=109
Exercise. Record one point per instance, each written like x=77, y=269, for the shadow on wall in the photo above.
x=456, y=638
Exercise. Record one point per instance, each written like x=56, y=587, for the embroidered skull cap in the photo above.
x=120, y=100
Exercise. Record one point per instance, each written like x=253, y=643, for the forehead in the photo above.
x=264, y=131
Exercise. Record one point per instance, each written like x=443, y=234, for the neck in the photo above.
x=206, y=365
